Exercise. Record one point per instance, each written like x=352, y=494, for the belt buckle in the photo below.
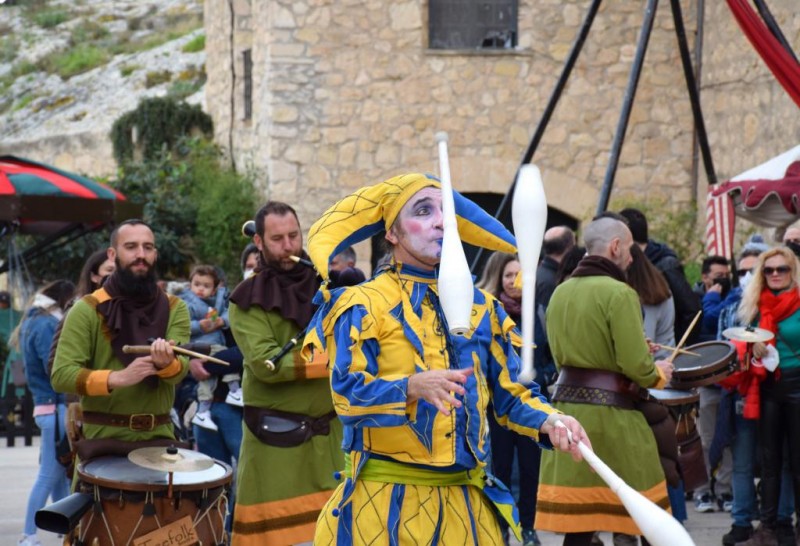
x=142, y=422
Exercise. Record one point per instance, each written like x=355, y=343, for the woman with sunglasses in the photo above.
x=771, y=301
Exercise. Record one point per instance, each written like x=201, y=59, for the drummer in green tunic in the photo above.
x=598, y=372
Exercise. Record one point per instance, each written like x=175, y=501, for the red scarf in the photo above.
x=773, y=309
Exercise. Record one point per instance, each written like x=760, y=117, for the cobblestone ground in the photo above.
x=18, y=466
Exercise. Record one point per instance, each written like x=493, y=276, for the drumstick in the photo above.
x=685, y=336
x=145, y=350
x=657, y=525
x=680, y=351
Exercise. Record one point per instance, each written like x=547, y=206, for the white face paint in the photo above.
x=418, y=231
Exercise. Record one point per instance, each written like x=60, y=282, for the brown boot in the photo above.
x=764, y=536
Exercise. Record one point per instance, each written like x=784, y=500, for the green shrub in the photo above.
x=49, y=18
x=157, y=78
x=182, y=89
x=81, y=58
x=224, y=200
x=23, y=68
x=190, y=200
x=678, y=228
x=8, y=49
x=198, y=43
x=128, y=69
x=87, y=31
x=160, y=124
x=23, y=102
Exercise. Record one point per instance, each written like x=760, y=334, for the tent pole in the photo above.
x=627, y=104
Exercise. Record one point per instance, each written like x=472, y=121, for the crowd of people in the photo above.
x=351, y=414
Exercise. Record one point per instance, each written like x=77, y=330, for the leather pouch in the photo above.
x=285, y=429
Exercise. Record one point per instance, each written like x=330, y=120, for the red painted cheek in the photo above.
x=413, y=227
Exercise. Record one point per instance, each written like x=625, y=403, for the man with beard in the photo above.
x=123, y=396
x=290, y=448
x=594, y=325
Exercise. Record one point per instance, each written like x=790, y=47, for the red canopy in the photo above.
x=766, y=196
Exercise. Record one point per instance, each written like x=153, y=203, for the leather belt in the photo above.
x=140, y=422
x=598, y=387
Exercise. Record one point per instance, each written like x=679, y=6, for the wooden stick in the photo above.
x=145, y=350
x=684, y=338
x=680, y=351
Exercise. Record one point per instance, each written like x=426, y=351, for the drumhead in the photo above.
x=674, y=397
x=121, y=473
x=711, y=355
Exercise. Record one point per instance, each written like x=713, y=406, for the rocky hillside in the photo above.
x=70, y=68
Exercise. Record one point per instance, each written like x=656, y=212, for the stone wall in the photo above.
x=347, y=93
x=750, y=117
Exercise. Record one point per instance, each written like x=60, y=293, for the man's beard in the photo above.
x=271, y=261
x=138, y=287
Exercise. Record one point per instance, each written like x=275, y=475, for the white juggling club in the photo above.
x=455, y=279
x=529, y=216
x=657, y=525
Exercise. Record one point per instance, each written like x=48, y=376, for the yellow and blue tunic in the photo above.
x=412, y=473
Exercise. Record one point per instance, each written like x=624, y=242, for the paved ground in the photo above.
x=18, y=467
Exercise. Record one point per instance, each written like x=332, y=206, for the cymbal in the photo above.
x=170, y=459
x=749, y=334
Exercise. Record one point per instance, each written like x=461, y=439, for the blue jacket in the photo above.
x=198, y=309
x=36, y=336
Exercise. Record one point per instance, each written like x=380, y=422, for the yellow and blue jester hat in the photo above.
x=373, y=209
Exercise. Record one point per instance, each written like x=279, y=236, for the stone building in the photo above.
x=322, y=96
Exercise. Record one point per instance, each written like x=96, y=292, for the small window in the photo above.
x=488, y=24
x=248, y=84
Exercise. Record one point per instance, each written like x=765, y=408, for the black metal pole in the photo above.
x=577, y=46
x=694, y=95
x=698, y=74
x=766, y=15
x=627, y=104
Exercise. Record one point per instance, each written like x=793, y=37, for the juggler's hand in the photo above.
x=438, y=387
x=560, y=439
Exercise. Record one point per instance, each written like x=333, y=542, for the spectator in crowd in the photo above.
x=558, y=241
x=208, y=312
x=97, y=267
x=498, y=279
x=35, y=336
x=771, y=301
x=249, y=260
x=343, y=269
x=713, y=288
x=687, y=304
x=569, y=262
x=741, y=437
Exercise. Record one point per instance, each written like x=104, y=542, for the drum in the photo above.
x=715, y=361
x=131, y=501
x=683, y=407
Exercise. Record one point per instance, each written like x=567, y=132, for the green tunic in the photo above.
x=596, y=322
x=280, y=489
x=84, y=349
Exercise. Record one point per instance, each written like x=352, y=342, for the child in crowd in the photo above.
x=208, y=311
